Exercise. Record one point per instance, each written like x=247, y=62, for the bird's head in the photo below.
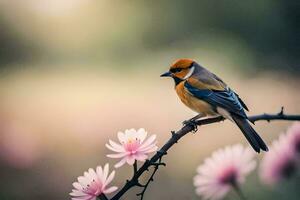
x=181, y=70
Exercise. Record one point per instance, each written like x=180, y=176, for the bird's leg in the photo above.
x=192, y=122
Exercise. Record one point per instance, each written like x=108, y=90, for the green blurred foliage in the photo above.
x=268, y=29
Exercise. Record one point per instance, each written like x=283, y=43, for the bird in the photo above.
x=208, y=95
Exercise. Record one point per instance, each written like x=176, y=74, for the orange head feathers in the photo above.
x=180, y=70
x=182, y=63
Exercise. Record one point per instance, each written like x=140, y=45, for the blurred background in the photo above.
x=74, y=72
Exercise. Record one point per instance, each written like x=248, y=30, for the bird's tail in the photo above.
x=251, y=135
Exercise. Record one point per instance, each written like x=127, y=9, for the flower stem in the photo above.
x=102, y=197
x=239, y=192
x=135, y=167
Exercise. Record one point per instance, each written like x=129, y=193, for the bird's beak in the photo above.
x=167, y=74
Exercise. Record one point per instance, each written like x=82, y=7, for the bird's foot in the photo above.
x=192, y=123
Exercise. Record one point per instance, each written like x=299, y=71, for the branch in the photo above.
x=156, y=166
x=278, y=116
x=176, y=136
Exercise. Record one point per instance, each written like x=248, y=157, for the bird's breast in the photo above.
x=198, y=105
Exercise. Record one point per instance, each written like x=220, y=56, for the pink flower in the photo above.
x=134, y=146
x=294, y=137
x=225, y=169
x=93, y=183
x=282, y=160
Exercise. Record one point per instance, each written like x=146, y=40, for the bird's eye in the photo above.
x=175, y=70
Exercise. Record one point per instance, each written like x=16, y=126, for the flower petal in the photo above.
x=130, y=160
x=121, y=162
x=99, y=171
x=149, y=149
x=116, y=146
x=114, y=149
x=105, y=172
x=141, y=157
x=119, y=155
x=78, y=193
x=121, y=136
x=142, y=134
x=83, y=181
x=148, y=141
x=77, y=186
x=110, y=190
x=109, y=179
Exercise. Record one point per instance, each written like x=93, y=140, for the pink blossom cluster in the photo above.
x=133, y=146
x=226, y=169
x=283, y=160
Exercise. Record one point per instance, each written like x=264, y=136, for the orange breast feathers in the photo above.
x=192, y=102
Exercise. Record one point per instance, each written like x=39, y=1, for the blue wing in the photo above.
x=226, y=99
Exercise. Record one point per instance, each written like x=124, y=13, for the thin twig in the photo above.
x=156, y=166
x=176, y=136
x=278, y=116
